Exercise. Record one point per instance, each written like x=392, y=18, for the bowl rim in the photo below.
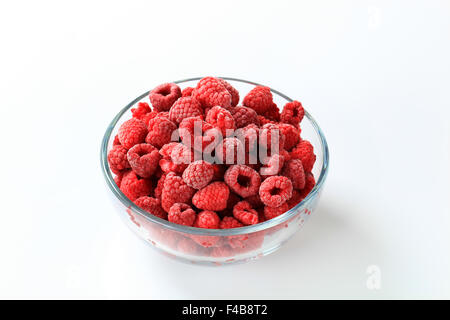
x=210, y=232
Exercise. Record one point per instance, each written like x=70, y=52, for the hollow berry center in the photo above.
x=243, y=181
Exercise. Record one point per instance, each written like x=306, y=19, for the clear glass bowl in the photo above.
x=218, y=247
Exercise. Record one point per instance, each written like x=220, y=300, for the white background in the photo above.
x=374, y=74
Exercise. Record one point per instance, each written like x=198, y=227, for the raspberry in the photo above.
x=143, y=159
x=210, y=92
x=187, y=92
x=244, y=116
x=159, y=187
x=293, y=169
x=141, y=111
x=190, y=129
x=273, y=165
x=270, y=212
x=160, y=131
x=207, y=219
x=117, y=159
x=198, y=174
x=249, y=136
x=184, y=108
x=151, y=205
x=164, y=96
x=221, y=119
x=271, y=137
x=296, y=198
x=305, y=152
x=175, y=190
x=118, y=179
x=243, y=180
x=181, y=213
x=132, y=132
x=133, y=187
x=212, y=197
x=272, y=113
x=310, y=182
x=293, y=113
x=259, y=99
x=291, y=135
x=263, y=120
x=275, y=191
x=255, y=201
x=116, y=141
x=230, y=151
x=229, y=223
x=234, y=93
x=245, y=214
x=231, y=202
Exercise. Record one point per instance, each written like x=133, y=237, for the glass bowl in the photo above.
x=218, y=246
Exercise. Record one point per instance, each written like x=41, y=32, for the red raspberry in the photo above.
x=291, y=134
x=270, y=212
x=230, y=151
x=134, y=187
x=159, y=186
x=132, y=132
x=259, y=99
x=243, y=180
x=182, y=213
x=118, y=178
x=160, y=131
x=187, y=92
x=255, y=201
x=207, y=219
x=212, y=197
x=221, y=119
x=185, y=107
x=117, y=159
x=198, y=140
x=198, y=174
x=263, y=120
x=245, y=214
x=305, y=152
x=143, y=159
x=175, y=190
x=293, y=169
x=310, y=182
x=116, y=141
x=272, y=113
x=275, y=191
x=141, y=111
x=232, y=200
x=244, y=116
x=273, y=166
x=296, y=198
x=151, y=205
x=293, y=113
x=249, y=136
x=269, y=132
x=210, y=92
x=234, y=93
x=164, y=96
x=229, y=223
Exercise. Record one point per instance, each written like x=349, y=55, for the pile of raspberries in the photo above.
x=168, y=179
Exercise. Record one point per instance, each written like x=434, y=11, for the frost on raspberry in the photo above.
x=229, y=223
x=132, y=132
x=244, y=116
x=234, y=93
x=197, y=133
x=275, y=191
x=207, y=219
x=163, y=96
x=243, y=212
x=143, y=159
x=213, y=197
x=152, y=206
x=187, y=92
x=221, y=119
x=185, y=107
x=305, y=152
x=243, y=180
x=270, y=212
x=211, y=92
x=141, y=111
x=175, y=190
x=271, y=137
x=182, y=213
x=291, y=134
x=292, y=113
x=117, y=159
x=259, y=99
x=160, y=131
x=293, y=169
x=134, y=187
x=198, y=174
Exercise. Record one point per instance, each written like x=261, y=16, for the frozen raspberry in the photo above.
x=168, y=165
x=291, y=135
x=187, y=92
x=249, y=136
x=164, y=96
x=207, y=219
x=117, y=159
x=118, y=178
x=194, y=132
x=116, y=141
x=198, y=174
x=185, y=107
x=230, y=151
x=160, y=131
x=234, y=93
x=275, y=191
x=212, y=197
x=141, y=111
x=310, y=182
x=159, y=187
x=259, y=99
x=263, y=120
x=296, y=198
x=177, y=152
x=243, y=180
x=305, y=152
x=244, y=116
x=293, y=113
x=151, y=205
x=245, y=214
x=293, y=169
x=132, y=132
x=182, y=213
x=210, y=92
x=175, y=190
x=272, y=113
x=134, y=187
x=271, y=137
x=143, y=159
x=270, y=212
x=221, y=119
x=229, y=223
x=233, y=198
x=273, y=165
x=255, y=201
